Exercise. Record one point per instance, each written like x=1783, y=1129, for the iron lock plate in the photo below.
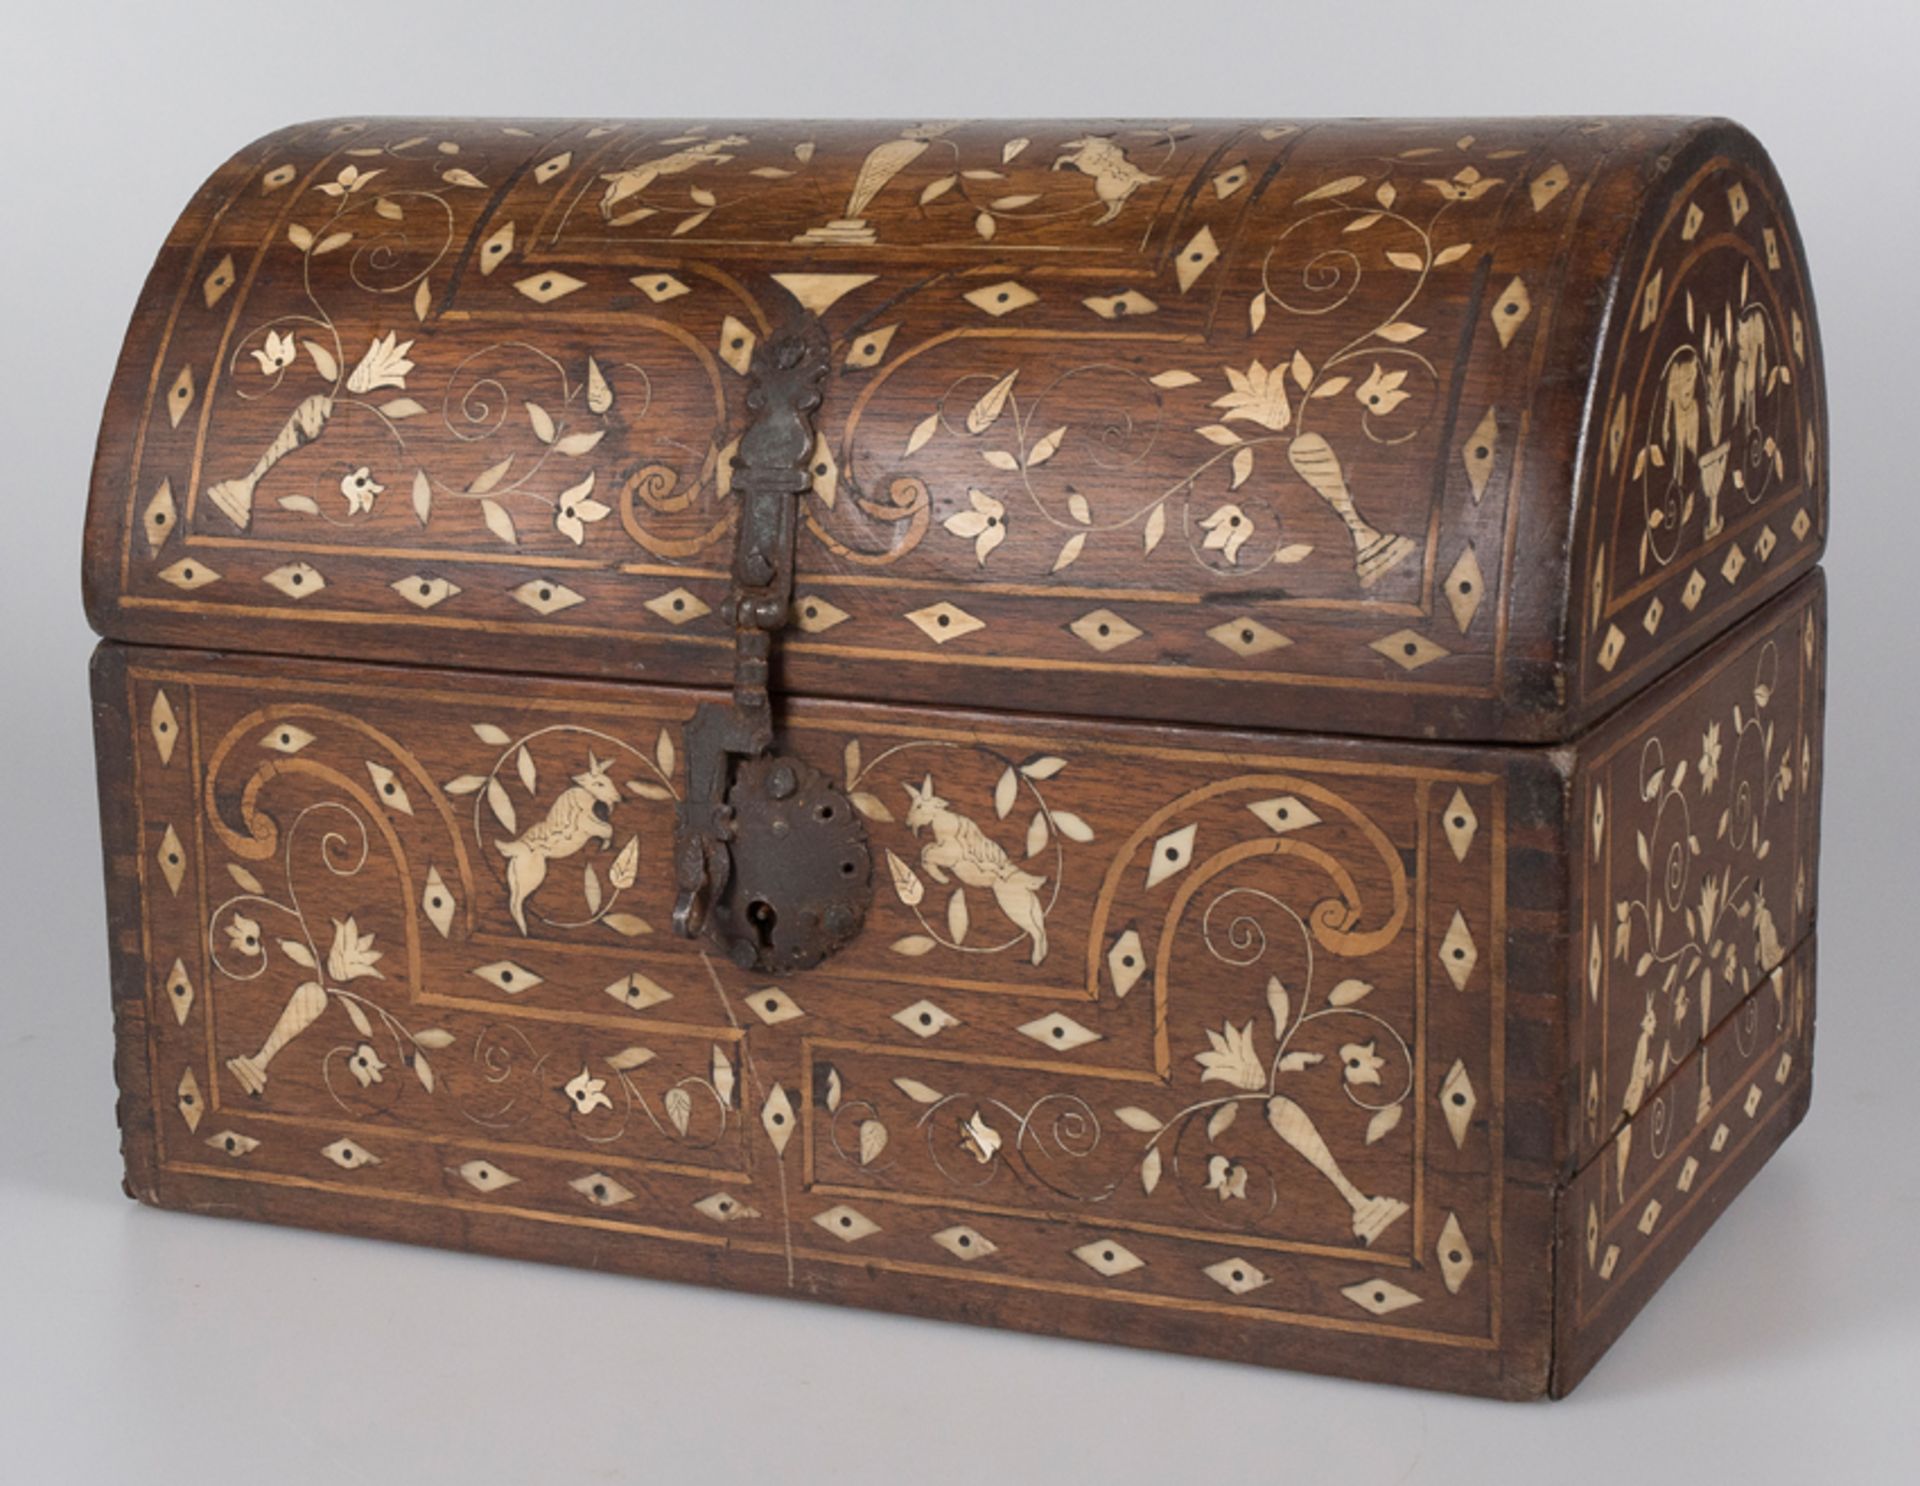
x=771, y=856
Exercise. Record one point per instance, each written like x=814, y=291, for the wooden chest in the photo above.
x=1205, y=736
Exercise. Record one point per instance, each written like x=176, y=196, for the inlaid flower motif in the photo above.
x=384, y=365
x=1467, y=185
x=1227, y=531
x=981, y=1139
x=587, y=1092
x=360, y=488
x=985, y=525
x=575, y=508
x=348, y=181
x=1226, y=1178
x=277, y=354
x=365, y=1065
x=1361, y=1065
x=352, y=954
x=1258, y=395
x=1232, y=1058
x=1381, y=393
x=1709, y=758
x=244, y=933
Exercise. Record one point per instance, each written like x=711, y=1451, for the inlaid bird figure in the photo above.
x=1115, y=177
x=972, y=857
x=583, y=813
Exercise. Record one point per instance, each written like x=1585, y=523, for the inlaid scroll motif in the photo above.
x=1345, y=271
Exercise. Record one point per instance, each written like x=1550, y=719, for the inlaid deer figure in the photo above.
x=1115, y=177
x=583, y=813
x=961, y=848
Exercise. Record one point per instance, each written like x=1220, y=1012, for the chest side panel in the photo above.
x=1203, y=1043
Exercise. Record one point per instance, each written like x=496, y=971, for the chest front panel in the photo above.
x=1139, y=1020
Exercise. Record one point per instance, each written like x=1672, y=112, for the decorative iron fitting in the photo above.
x=771, y=858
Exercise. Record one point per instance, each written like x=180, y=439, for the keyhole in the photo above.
x=761, y=915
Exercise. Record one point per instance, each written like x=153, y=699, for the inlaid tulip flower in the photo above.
x=244, y=933
x=1258, y=396
x=1226, y=1179
x=276, y=354
x=352, y=954
x=1227, y=531
x=1232, y=1058
x=1381, y=393
x=384, y=365
x=360, y=488
x=365, y=1065
x=587, y=1092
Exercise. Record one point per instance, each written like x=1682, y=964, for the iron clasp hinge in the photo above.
x=771, y=858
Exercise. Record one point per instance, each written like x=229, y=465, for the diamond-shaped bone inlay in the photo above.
x=1460, y=824
x=1126, y=962
x=944, y=621
x=846, y=1224
x=1196, y=258
x=1735, y=564
x=815, y=616
x=1611, y=644
x=1477, y=454
x=1408, y=649
x=724, y=1207
x=166, y=727
x=1381, y=1297
x=1108, y=1257
x=233, y=1143
x=1457, y=952
x=437, y=902
x=1247, y=637
x=1104, y=630
x=1059, y=1032
x=773, y=1005
x=1002, y=298
x=191, y=1105
x=505, y=975
x=544, y=596
x=189, y=573
x=600, y=1189
x=924, y=1019
x=965, y=1243
x=1465, y=587
x=777, y=1119
x=1171, y=854
x=349, y=1155
x=1510, y=310
x=678, y=606
x=1458, y=1101
x=1284, y=813
x=1236, y=1276
x=1690, y=595
x=173, y=860
x=179, y=992
x=1456, y=1259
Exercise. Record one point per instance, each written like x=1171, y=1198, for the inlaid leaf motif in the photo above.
x=957, y=918
x=1339, y=187
x=1222, y=1120
x=922, y=431
x=502, y=807
x=1383, y=1123
x=1155, y=528
x=1172, y=379
x=906, y=882
x=626, y=867
x=599, y=391
x=873, y=1140
x=1279, y=1003
x=590, y=888
x=913, y=946
x=987, y=410
x=1070, y=551
x=499, y=522
x=1072, y=826
x=679, y=1105
x=663, y=752
x=917, y=1091
x=1150, y=1170
x=1038, y=833
x=1135, y=1118
x=1348, y=992
x=723, y=1075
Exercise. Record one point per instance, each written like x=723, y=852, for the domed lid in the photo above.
x=1460, y=430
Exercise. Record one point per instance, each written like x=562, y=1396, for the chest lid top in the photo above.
x=1460, y=429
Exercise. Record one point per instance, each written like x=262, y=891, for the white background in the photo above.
x=158, y=1348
